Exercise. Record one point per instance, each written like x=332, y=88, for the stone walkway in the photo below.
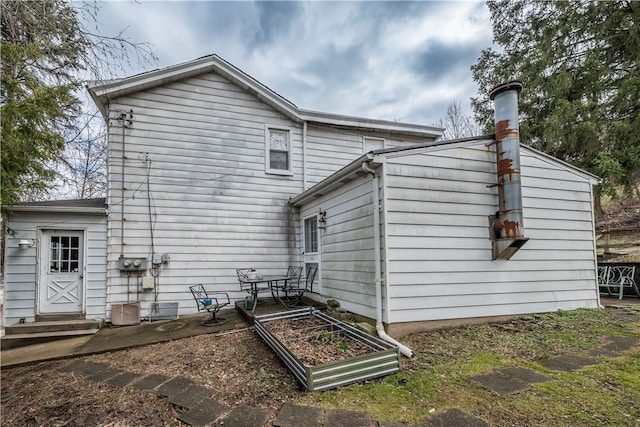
x=199, y=410
x=513, y=380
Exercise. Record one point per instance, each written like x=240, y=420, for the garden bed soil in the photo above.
x=314, y=342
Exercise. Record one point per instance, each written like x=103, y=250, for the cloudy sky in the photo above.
x=403, y=61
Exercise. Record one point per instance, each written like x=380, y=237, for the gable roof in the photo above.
x=355, y=168
x=103, y=92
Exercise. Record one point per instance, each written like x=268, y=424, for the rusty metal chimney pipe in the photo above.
x=508, y=222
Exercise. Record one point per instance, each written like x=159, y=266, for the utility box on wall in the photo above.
x=125, y=314
x=132, y=264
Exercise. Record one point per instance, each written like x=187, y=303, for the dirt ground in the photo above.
x=238, y=367
x=623, y=212
x=618, y=230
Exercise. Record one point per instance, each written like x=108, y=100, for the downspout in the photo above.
x=406, y=351
x=122, y=186
x=304, y=155
x=122, y=118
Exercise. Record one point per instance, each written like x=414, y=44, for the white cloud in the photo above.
x=390, y=60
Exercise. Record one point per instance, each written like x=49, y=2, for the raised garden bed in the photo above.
x=323, y=352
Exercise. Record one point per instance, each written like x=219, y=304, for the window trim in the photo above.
x=267, y=150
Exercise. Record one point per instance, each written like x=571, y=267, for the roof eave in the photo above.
x=588, y=176
x=59, y=209
x=346, y=174
x=102, y=93
x=340, y=120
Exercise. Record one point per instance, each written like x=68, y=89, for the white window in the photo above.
x=370, y=144
x=278, y=150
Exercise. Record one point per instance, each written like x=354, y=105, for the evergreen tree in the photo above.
x=40, y=46
x=47, y=53
x=578, y=62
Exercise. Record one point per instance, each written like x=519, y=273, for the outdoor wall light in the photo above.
x=26, y=243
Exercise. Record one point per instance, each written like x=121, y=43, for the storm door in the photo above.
x=312, y=249
x=61, y=287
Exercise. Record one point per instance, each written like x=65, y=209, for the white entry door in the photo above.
x=312, y=249
x=61, y=288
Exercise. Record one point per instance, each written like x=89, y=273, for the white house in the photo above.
x=455, y=230
x=433, y=236
x=209, y=171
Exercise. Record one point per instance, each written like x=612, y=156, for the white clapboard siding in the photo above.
x=195, y=159
x=347, y=245
x=438, y=248
x=213, y=207
x=194, y=177
x=21, y=273
x=328, y=149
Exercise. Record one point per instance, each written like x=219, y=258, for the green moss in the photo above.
x=439, y=378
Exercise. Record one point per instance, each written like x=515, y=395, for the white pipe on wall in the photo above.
x=406, y=351
x=304, y=156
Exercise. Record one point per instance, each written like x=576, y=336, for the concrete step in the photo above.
x=24, y=334
x=52, y=326
x=8, y=342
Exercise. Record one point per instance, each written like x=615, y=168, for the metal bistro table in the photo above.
x=272, y=281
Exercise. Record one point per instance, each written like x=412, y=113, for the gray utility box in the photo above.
x=299, y=328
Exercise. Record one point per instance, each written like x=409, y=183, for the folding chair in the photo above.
x=212, y=303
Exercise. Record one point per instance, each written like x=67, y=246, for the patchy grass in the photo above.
x=240, y=369
x=439, y=378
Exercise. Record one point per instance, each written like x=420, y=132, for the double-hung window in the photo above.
x=278, y=150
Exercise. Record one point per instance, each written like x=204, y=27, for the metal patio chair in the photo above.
x=243, y=279
x=288, y=292
x=211, y=303
x=293, y=294
x=621, y=277
x=603, y=279
x=310, y=278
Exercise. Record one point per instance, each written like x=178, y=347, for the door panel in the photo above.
x=61, y=283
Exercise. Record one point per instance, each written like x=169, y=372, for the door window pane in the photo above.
x=64, y=254
x=311, y=235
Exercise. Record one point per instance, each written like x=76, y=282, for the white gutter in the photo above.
x=59, y=209
x=406, y=351
x=304, y=155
